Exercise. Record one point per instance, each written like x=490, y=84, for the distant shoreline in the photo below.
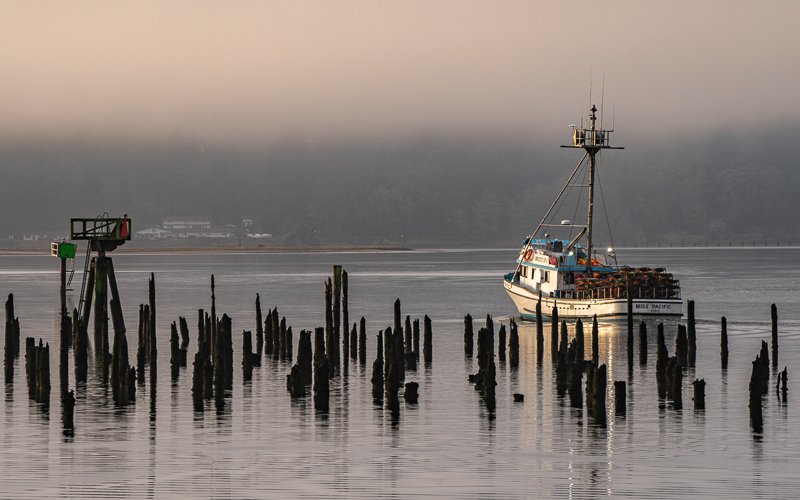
x=130, y=250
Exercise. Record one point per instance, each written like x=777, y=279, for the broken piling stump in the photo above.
x=699, y=397
x=642, y=343
x=513, y=345
x=411, y=393
x=469, y=339
x=427, y=340
x=620, y=396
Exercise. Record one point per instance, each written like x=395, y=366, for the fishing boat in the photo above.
x=576, y=279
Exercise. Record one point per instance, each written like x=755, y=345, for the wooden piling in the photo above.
x=469, y=339
x=427, y=340
x=294, y=382
x=119, y=366
x=599, y=395
x=354, y=342
x=174, y=346
x=759, y=379
x=305, y=356
x=590, y=375
x=247, y=355
x=723, y=343
x=321, y=377
x=774, y=317
x=681, y=347
x=329, y=343
x=408, y=332
x=629, y=294
x=781, y=387
x=345, y=315
x=662, y=359
x=276, y=334
x=554, y=334
x=289, y=343
x=67, y=412
x=182, y=349
x=377, y=369
x=501, y=343
x=513, y=345
x=564, y=343
x=539, y=330
x=362, y=341
x=81, y=348
x=691, y=333
x=268, y=336
x=415, y=336
x=259, y=330
x=580, y=352
x=642, y=343
x=575, y=376
x=595, y=342
x=411, y=393
x=699, y=397
x=337, y=313
x=620, y=396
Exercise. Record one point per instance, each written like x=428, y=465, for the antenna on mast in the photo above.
x=602, y=100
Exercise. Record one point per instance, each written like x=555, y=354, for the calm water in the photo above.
x=265, y=445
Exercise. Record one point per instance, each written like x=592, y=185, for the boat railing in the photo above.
x=621, y=292
x=588, y=137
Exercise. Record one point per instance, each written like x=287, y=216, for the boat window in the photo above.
x=545, y=276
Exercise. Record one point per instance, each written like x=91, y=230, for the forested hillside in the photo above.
x=729, y=187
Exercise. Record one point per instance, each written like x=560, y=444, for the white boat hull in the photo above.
x=613, y=308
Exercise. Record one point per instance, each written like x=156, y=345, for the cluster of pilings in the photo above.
x=212, y=374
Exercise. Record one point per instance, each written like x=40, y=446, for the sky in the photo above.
x=255, y=71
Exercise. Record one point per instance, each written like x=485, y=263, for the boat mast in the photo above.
x=592, y=140
x=591, y=151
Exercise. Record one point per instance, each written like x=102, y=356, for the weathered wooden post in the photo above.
x=410, y=357
x=590, y=376
x=321, y=387
x=411, y=393
x=247, y=355
x=67, y=412
x=699, y=394
x=781, y=388
x=629, y=293
x=337, y=313
x=662, y=359
x=564, y=338
x=539, y=331
x=329, y=342
x=427, y=340
x=642, y=343
x=289, y=344
x=276, y=334
x=268, y=336
x=599, y=395
x=377, y=370
x=774, y=317
x=595, y=342
x=681, y=345
x=259, y=330
x=580, y=353
x=575, y=378
x=513, y=345
x=469, y=340
x=305, y=356
x=174, y=357
x=294, y=382
x=416, y=337
x=723, y=342
x=81, y=347
x=554, y=334
x=758, y=384
x=620, y=403
x=691, y=333
x=345, y=315
x=362, y=341
x=354, y=342
x=184, y=339
x=501, y=343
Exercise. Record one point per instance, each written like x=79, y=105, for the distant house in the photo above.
x=186, y=222
x=247, y=223
x=154, y=233
x=52, y=235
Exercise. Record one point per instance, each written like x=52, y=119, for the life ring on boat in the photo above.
x=528, y=255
